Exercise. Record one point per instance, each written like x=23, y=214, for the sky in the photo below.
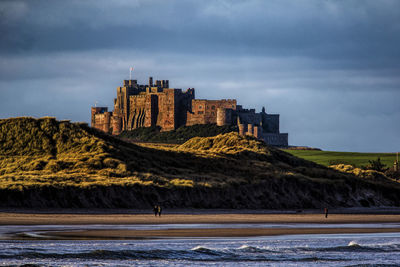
x=330, y=68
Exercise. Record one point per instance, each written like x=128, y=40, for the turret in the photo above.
x=250, y=129
x=257, y=132
x=242, y=129
x=224, y=116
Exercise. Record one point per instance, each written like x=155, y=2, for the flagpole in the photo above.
x=130, y=73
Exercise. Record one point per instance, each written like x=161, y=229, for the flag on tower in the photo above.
x=131, y=69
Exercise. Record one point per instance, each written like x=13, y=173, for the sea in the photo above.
x=378, y=249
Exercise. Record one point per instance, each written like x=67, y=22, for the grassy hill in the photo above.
x=178, y=136
x=328, y=158
x=46, y=163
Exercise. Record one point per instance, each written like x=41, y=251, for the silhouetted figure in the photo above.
x=155, y=210
x=326, y=212
x=159, y=210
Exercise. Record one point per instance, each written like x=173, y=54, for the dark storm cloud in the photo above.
x=318, y=29
x=330, y=68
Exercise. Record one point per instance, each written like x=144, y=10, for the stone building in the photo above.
x=155, y=104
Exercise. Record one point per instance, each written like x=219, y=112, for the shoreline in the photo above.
x=110, y=234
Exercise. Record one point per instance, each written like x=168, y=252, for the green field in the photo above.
x=356, y=159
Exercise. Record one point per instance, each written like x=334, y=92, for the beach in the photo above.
x=334, y=224
x=26, y=218
x=197, y=238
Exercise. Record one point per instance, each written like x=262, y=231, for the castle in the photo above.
x=158, y=105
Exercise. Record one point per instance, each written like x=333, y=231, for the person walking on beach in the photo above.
x=155, y=209
x=159, y=211
x=326, y=212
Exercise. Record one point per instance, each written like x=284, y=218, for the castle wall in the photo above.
x=166, y=108
x=275, y=139
x=205, y=111
x=137, y=108
x=270, y=122
x=116, y=125
x=151, y=110
x=183, y=103
x=249, y=116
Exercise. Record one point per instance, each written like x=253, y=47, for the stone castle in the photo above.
x=159, y=105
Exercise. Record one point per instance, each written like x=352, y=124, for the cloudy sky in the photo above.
x=331, y=68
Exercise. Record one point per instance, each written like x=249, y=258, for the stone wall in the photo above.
x=270, y=122
x=137, y=111
x=166, y=108
x=205, y=111
x=275, y=139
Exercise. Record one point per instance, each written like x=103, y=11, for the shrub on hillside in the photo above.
x=376, y=165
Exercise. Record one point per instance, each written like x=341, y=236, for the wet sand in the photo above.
x=213, y=232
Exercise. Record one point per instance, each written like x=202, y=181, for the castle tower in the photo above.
x=150, y=81
x=257, y=132
x=250, y=129
x=96, y=110
x=116, y=125
x=224, y=116
x=242, y=129
x=106, y=122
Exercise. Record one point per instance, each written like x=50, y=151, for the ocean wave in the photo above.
x=353, y=244
x=208, y=251
x=354, y=247
x=247, y=248
x=199, y=253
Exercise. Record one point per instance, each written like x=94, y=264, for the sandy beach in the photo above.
x=8, y=218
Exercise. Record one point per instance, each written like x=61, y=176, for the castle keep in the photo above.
x=155, y=104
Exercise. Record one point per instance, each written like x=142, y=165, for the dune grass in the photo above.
x=44, y=155
x=355, y=159
x=178, y=136
x=45, y=152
